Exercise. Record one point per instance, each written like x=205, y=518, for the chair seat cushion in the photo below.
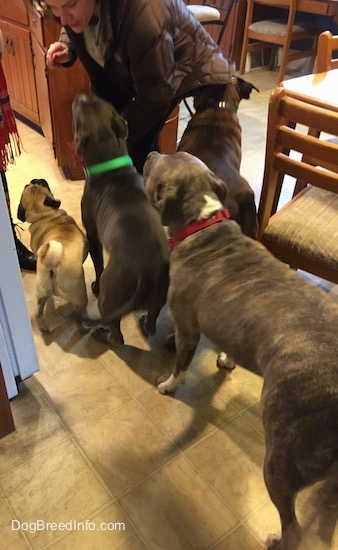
x=309, y=226
x=274, y=27
x=204, y=13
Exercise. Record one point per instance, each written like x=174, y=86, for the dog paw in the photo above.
x=162, y=388
x=42, y=326
x=169, y=385
x=83, y=328
x=225, y=362
x=146, y=325
x=86, y=326
x=273, y=542
x=104, y=335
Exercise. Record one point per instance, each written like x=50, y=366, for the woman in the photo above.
x=143, y=56
x=9, y=148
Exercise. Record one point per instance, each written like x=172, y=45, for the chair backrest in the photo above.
x=274, y=28
x=296, y=233
x=290, y=5
x=216, y=27
x=327, y=45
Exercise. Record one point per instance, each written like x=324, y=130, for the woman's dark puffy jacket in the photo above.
x=158, y=53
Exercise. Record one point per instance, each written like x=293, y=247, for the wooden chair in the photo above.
x=214, y=14
x=203, y=12
x=274, y=33
x=327, y=45
x=304, y=232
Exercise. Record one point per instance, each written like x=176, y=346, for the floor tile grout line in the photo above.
x=22, y=533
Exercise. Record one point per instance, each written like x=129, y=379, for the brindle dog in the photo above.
x=214, y=135
x=265, y=316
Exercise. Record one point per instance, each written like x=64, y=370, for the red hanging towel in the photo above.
x=10, y=143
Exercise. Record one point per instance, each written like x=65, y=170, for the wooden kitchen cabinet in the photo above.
x=19, y=70
x=14, y=10
x=42, y=97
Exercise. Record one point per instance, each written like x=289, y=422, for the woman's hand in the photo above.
x=57, y=54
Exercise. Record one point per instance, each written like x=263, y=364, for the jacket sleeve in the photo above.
x=150, y=51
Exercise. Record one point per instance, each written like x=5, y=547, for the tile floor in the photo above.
x=95, y=443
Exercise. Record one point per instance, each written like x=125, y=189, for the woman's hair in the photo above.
x=39, y=5
x=42, y=7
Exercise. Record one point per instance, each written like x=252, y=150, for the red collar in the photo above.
x=197, y=225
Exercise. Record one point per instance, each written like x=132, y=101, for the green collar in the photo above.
x=111, y=164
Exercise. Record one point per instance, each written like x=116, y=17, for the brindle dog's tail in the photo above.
x=145, y=285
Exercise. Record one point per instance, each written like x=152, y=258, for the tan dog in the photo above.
x=214, y=135
x=60, y=248
x=265, y=316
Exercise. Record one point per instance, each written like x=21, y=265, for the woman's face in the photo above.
x=76, y=14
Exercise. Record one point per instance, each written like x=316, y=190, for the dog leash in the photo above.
x=197, y=225
x=111, y=164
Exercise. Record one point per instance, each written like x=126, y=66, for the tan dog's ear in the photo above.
x=53, y=203
x=21, y=214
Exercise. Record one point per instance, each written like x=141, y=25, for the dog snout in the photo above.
x=40, y=181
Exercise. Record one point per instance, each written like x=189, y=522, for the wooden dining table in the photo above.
x=319, y=89
x=320, y=7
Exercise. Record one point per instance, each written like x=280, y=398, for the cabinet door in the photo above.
x=19, y=70
x=14, y=10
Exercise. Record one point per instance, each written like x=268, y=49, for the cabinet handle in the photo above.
x=34, y=23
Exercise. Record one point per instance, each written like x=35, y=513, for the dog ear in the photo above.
x=120, y=127
x=21, y=214
x=79, y=145
x=245, y=88
x=164, y=200
x=53, y=203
